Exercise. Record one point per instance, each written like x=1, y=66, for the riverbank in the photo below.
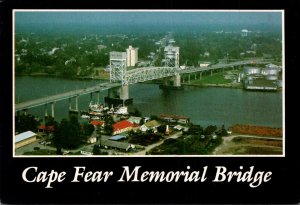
x=249, y=145
x=229, y=85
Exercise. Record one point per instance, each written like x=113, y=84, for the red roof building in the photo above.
x=44, y=128
x=97, y=123
x=122, y=126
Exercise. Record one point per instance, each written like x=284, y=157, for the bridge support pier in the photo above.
x=98, y=96
x=52, y=109
x=70, y=105
x=211, y=71
x=118, y=96
x=176, y=85
x=91, y=97
x=46, y=111
x=200, y=77
x=177, y=82
x=76, y=103
x=124, y=92
x=25, y=111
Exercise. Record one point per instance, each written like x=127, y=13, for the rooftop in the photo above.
x=24, y=135
x=152, y=123
x=120, y=145
x=97, y=123
x=164, y=116
x=117, y=137
x=122, y=125
x=171, y=49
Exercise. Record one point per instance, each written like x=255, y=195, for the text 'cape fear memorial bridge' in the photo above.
x=121, y=78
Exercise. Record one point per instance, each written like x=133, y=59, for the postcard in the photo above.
x=165, y=105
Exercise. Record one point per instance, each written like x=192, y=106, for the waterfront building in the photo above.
x=174, y=118
x=44, y=128
x=97, y=123
x=122, y=126
x=151, y=125
x=24, y=138
x=135, y=120
x=132, y=56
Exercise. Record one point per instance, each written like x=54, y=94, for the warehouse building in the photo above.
x=24, y=138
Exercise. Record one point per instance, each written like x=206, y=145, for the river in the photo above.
x=205, y=105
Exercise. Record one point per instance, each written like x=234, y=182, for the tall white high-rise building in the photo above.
x=132, y=56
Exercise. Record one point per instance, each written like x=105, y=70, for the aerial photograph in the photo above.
x=150, y=83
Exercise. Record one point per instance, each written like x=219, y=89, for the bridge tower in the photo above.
x=172, y=60
x=118, y=64
x=171, y=56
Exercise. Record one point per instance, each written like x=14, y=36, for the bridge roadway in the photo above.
x=223, y=65
x=131, y=77
x=65, y=95
x=150, y=73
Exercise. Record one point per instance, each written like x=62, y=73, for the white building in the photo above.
x=132, y=56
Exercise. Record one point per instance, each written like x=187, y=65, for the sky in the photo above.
x=143, y=17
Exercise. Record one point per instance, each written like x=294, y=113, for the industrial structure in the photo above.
x=267, y=78
x=244, y=32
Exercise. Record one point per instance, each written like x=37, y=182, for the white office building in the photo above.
x=132, y=56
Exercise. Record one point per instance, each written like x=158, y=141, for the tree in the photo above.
x=222, y=131
x=51, y=122
x=96, y=150
x=67, y=135
x=108, y=124
x=88, y=129
x=210, y=129
x=26, y=122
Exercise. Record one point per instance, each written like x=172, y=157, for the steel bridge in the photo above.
x=130, y=77
x=150, y=73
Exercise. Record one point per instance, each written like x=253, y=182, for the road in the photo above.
x=62, y=96
x=224, y=65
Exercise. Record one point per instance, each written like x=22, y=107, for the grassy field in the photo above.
x=249, y=146
x=217, y=78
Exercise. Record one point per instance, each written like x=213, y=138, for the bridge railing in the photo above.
x=148, y=73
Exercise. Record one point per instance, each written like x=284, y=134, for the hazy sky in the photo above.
x=238, y=18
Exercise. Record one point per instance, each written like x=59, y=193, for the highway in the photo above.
x=65, y=95
x=224, y=65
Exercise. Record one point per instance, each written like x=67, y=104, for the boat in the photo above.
x=84, y=116
x=122, y=110
x=96, y=107
x=95, y=118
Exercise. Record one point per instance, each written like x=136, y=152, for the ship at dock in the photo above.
x=98, y=111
